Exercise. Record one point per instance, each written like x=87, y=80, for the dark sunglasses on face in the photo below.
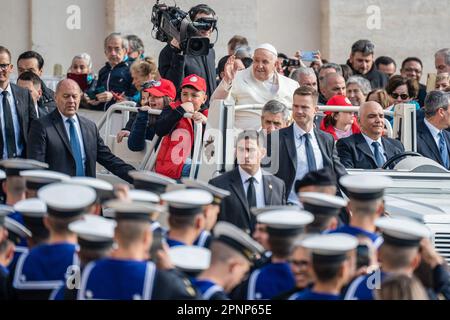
x=404, y=96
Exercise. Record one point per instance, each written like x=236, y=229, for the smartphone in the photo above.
x=309, y=55
x=157, y=244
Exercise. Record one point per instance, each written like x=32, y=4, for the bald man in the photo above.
x=69, y=143
x=368, y=149
x=255, y=85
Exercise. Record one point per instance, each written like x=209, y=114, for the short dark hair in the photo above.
x=366, y=47
x=200, y=8
x=5, y=50
x=307, y=91
x=222, y=63
x=30, y=76
x=397, y=81
x=251, y=135
x=325, y=271
x=412, y=59
x=385, y=60
x=31, y=55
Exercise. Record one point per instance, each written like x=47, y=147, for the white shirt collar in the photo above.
x=8, y=89
x=65, y=118
x=369, y=140
x=433, y=130
x=245, y=176
x=300, y=132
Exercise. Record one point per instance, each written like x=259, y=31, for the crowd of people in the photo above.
x=268, y=229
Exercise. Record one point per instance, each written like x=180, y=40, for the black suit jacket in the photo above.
x=48, y=142
x=234, y=208
x=426, y=145
x=26, y=114
x=355, y=153
x=286, y=159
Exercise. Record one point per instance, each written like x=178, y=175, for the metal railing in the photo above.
x=149, y=159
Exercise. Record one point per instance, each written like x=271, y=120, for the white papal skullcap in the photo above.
x=268, y=47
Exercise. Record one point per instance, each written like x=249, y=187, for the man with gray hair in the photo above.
x=327, y=68
x=433, y=141
x=114, y=79
x=332, y=85
x=357, y=90
x=362, y=63
x=255, y=85
x=442, y=60
x=275, y=116
x=305, y=77
x=135, y=48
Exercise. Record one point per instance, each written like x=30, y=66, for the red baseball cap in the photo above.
x=339, y=101
x=162, y=88
x=195, y=81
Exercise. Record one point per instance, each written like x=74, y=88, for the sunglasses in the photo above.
x=404, y=96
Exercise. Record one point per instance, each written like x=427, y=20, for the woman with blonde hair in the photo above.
x=401, y=287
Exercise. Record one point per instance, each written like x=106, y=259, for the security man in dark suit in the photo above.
x=368, y=149
x=69, y=143
x=302, y=147
x=17, y=112
x=249, y=185
x=433, y=141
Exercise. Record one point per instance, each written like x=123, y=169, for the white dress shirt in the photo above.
x=370, y=141
x=302, y=160
x=16, y=123
x=80, y=136
x=259, y=186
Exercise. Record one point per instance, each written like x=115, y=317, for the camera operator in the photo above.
x=175, y=66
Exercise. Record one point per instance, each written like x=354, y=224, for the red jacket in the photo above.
x=176, y=147
x=330, y=128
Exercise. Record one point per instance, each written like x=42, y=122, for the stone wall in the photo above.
x=406, y=27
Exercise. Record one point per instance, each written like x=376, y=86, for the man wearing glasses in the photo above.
x=412, y=68
x=16, y=111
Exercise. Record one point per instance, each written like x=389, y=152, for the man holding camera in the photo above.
x=174, y=65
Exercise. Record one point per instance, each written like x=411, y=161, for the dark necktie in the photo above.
x=9, y=137
x=76, y=147
x=310, y=153
x=443, y=150
x=251, y=193
x=378, y=155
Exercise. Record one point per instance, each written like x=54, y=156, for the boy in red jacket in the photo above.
x=174, y=157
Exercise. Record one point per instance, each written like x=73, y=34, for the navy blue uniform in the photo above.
x=362, y=288
x=115, y=279
x=377, y=239
x=204, y=239
x=268, y=282
x=43, y=269
x=308, y=294
x=210, y=291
